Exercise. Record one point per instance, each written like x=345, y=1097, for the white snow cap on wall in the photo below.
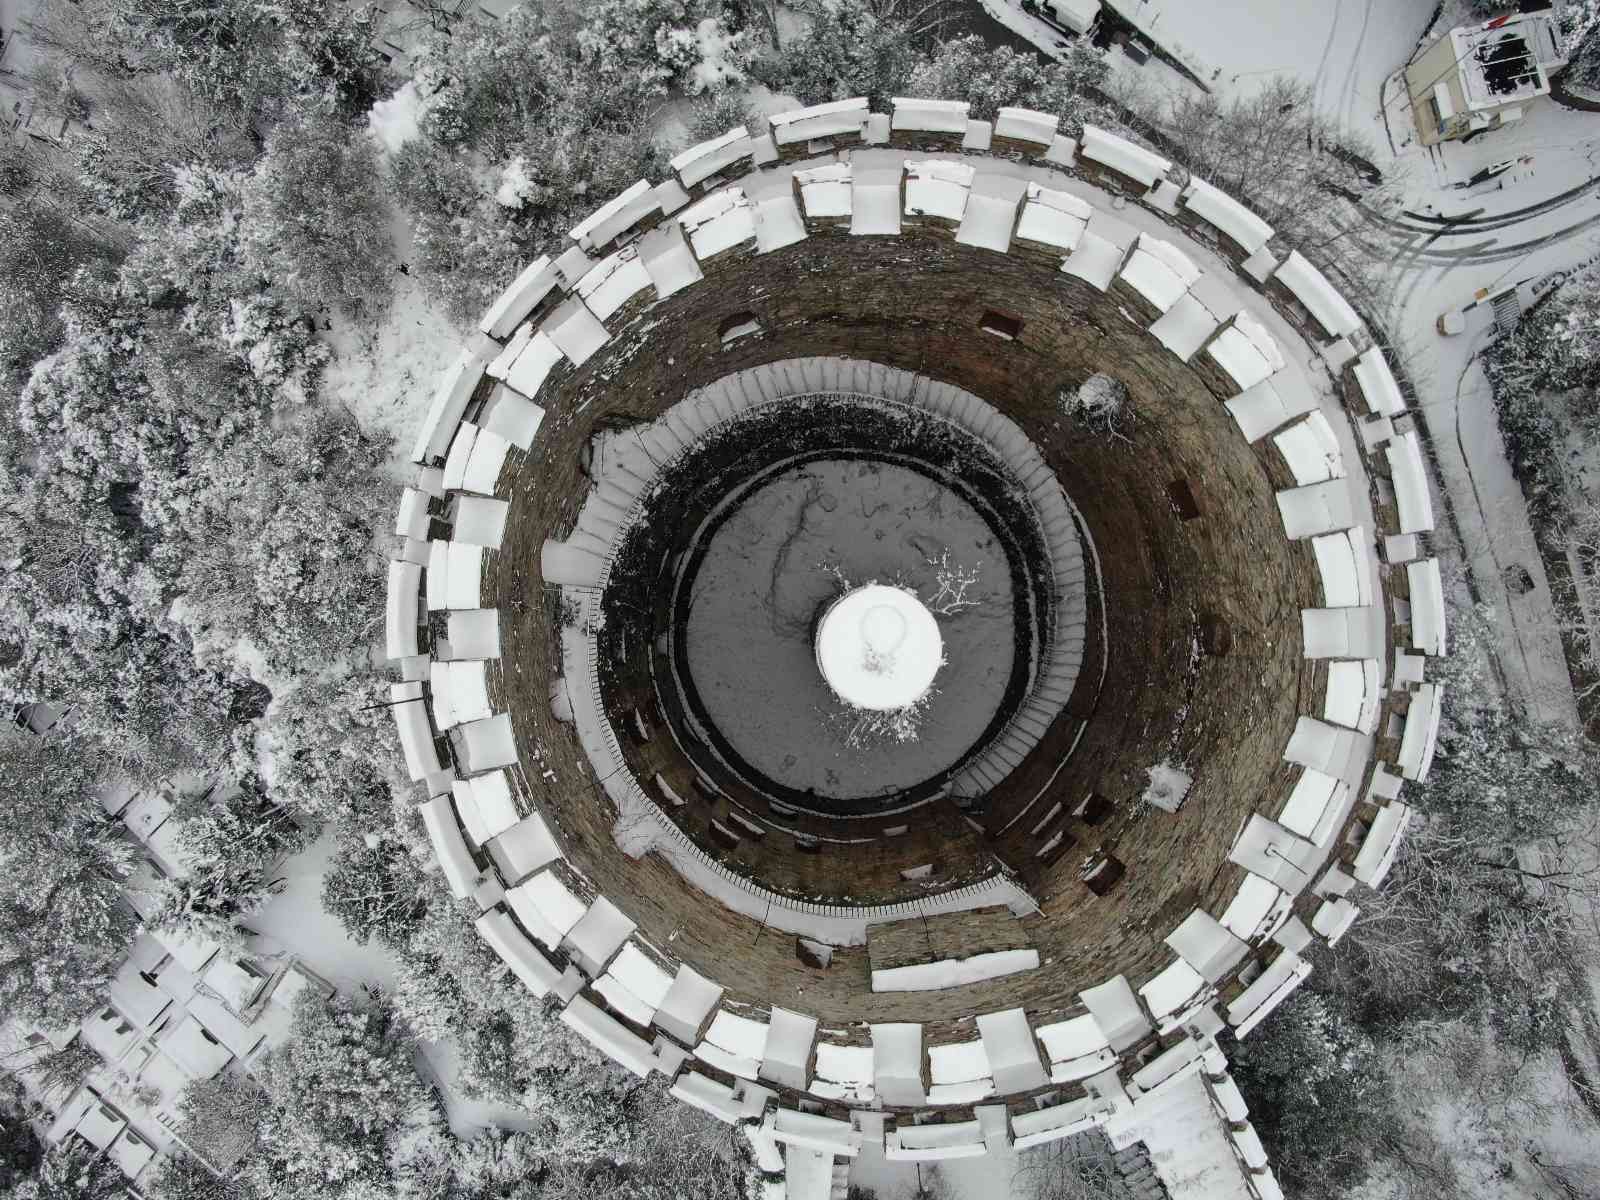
x=1427, y=606
x=1026, y=125
x=484, y=805
x=1410, y=479
x=530, y=286
x=512, y=417
x=416, y=735
x=718, y=222
x=1316, y=508
x=449, y=847
x=825, y=191
x=788, y=1048
x=820, y=120
x=1116, y=1010
x=1377, y=384
x=1159, y=271
x=668, y=260
x=1246, y=351
x=1206, y=945
x=609, y=1036
x=576, y=331
x=1421, y=732
x=953, y=972
x=1013, y=1054
x=1224, y=213
x=991, y=212
x=1345, y=568
x=875, y=201
x=1355, y=689
x=613, y=282
x=1123, y=156
x=400, y=616
x=450, y=399
x=616, y=216
x=474, y=633
x=479, y=521
x=1053, y=217
x=1322, y=300
x=1311, y=449
x=532, y=367
x=706, y=159
x=929, y=116
x=937, y=188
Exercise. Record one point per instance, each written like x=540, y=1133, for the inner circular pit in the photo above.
x=787, y=552
x=766, y=521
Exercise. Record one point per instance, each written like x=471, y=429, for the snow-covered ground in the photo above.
x=384, y=375
x=1342, y=49
x=1542, y=216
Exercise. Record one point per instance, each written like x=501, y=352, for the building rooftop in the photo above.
x=1504, y=63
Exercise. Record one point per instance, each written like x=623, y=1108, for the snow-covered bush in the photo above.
x=1100, y=403
x=1168, y=787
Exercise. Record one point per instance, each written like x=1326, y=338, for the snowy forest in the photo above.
x=201, y=297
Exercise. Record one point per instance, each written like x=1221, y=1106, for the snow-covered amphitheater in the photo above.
x=1178, y=681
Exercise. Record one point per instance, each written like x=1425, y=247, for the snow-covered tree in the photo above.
x=330, y=755
x=996, y=77
x=537, y=92
x=230, y=845
x=1100, y=403
x=662, y=44
x=375, y=889
x=254, y=58
x=74, y=1170
x=848, y=50
x=1583, y=68
x=344, y=1095
x=45, y=255
x=1081, y=1167
x=1276, y=152
x=222, y=1119
x=313, y=202
x=63, y=925
x=1311, y=1076
x=182, y=1176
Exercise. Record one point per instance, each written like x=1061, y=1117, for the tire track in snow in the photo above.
x=1348, y=112
x=1327, y=51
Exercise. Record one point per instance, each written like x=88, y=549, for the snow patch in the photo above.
x=954, y=972
x=395, y=121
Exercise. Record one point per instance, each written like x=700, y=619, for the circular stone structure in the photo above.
x=763, y=426
x=878, y=648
